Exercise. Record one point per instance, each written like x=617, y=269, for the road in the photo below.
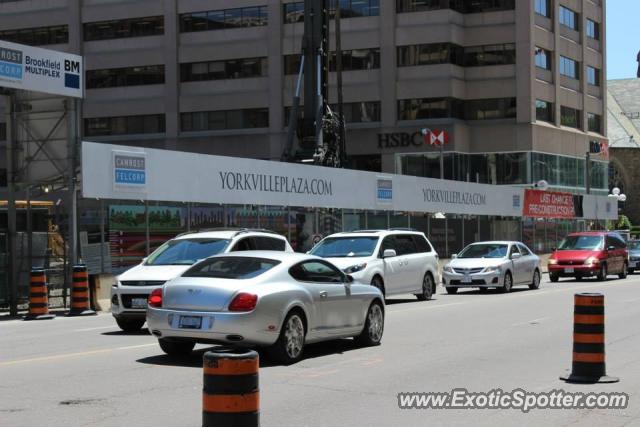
x=84, y=372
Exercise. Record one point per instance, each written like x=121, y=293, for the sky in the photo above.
x=623, y=38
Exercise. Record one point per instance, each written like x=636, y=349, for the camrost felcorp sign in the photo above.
x=41, y=70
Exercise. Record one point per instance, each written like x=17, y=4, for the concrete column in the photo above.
x=555, y=4
x=276, y=79
x=388, y=74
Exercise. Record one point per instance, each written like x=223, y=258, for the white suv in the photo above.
x=396, y=261
x=174, y=257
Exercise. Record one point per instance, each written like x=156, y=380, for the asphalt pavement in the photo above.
x=84, y=372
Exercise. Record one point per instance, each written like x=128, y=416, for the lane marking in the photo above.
x=70, y=355
x=94, y=329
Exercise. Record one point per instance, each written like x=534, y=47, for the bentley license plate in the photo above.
x=190, y=322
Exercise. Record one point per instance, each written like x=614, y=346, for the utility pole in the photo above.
x=12, y=258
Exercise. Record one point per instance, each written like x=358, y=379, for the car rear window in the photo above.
x=231, y=267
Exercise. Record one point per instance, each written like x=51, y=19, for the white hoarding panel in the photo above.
x=42, y=70
x=117, y=172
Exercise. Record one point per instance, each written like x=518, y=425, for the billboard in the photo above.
x=42, y=70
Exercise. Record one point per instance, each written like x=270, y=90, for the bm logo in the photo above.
x=72, y=74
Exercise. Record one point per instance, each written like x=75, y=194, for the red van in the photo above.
x=588, y=254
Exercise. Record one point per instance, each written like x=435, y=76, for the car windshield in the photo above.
x=485, y=250
x=186, y=251
x=581, y=243
x=341, y=247
x=635, y=245
x=231, y=267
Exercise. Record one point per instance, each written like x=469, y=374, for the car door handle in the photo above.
x=324, y=294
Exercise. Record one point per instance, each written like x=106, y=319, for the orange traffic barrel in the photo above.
x=230, y=394
x=80, y=292
x=588, y=341
x=38, y=296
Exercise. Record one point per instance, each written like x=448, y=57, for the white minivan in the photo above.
x=132, y=288
x=396, y=261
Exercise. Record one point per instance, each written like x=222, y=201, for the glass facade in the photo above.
x=124, y=125
x=569, y=67
x=41, y=36
x=462, y=6
x=222, y=120
x=471, y=109
x=517, y=168
x=354, y=112
x=352, y=60
x=124, y=28
x=543, y=7
x=222, y=70
x=294, y=12
x=253, y=16
x=593, y=76
x=568, y=18
x=130, y=76
x=593, y=30
x=543, y=58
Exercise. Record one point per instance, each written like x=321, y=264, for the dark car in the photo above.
x=634, y=255
x=589, y=254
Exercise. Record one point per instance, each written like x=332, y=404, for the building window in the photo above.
x=253, y=16
x=488, y=109
x=543, y=7
x=354, y=112
x=496, y=54
x=462, y=6
x=130, y=76
x=3, y=131
x=430, y=108
x=41, y=36
x=544, y=111
x=428, y=54
x=543, y=58
x=294, y=12
x=222, y=120
x=569, y=68
x=570, y=117
x=448, y=53
x=593, y=29
x=222, y=70
x=124, y=28
x=594, y=122
x=568, y=18
x=352, y=60
x=125, y=125
x=593, y=76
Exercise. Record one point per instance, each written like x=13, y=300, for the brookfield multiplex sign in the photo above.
x=41, y=70
x=131, y=173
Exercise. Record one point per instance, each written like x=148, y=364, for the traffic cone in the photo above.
x=80, y=293
x=588, y=341
x=230, y=395
x=38, y=297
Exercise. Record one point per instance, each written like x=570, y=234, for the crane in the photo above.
x=320, y=131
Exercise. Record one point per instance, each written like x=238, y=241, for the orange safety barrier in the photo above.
x=588, y=341
x=80, y=305
x=38, y=297
x=230, y=394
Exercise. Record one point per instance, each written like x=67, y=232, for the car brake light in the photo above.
x=155, y=298
x=243, y=302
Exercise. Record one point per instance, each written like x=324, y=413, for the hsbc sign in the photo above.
x=420, y=138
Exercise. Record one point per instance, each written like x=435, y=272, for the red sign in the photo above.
x=436, y=137
x=548, y=204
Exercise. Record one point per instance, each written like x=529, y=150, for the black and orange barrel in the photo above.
x=38, y=296
x=80, y=303
x=588, y=340
x=230, y=393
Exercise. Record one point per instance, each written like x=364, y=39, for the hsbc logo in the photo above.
x=421, y=138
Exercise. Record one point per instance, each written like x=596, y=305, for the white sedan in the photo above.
x=501, y=265
x=277, y=300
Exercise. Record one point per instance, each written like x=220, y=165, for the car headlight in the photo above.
x=447, y=269
x=495, y=269
x=355, y=268
x=553, y=261
x=592, y=260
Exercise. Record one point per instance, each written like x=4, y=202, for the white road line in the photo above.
x=94, y=329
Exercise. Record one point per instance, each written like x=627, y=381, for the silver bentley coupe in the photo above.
x=276, y=300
